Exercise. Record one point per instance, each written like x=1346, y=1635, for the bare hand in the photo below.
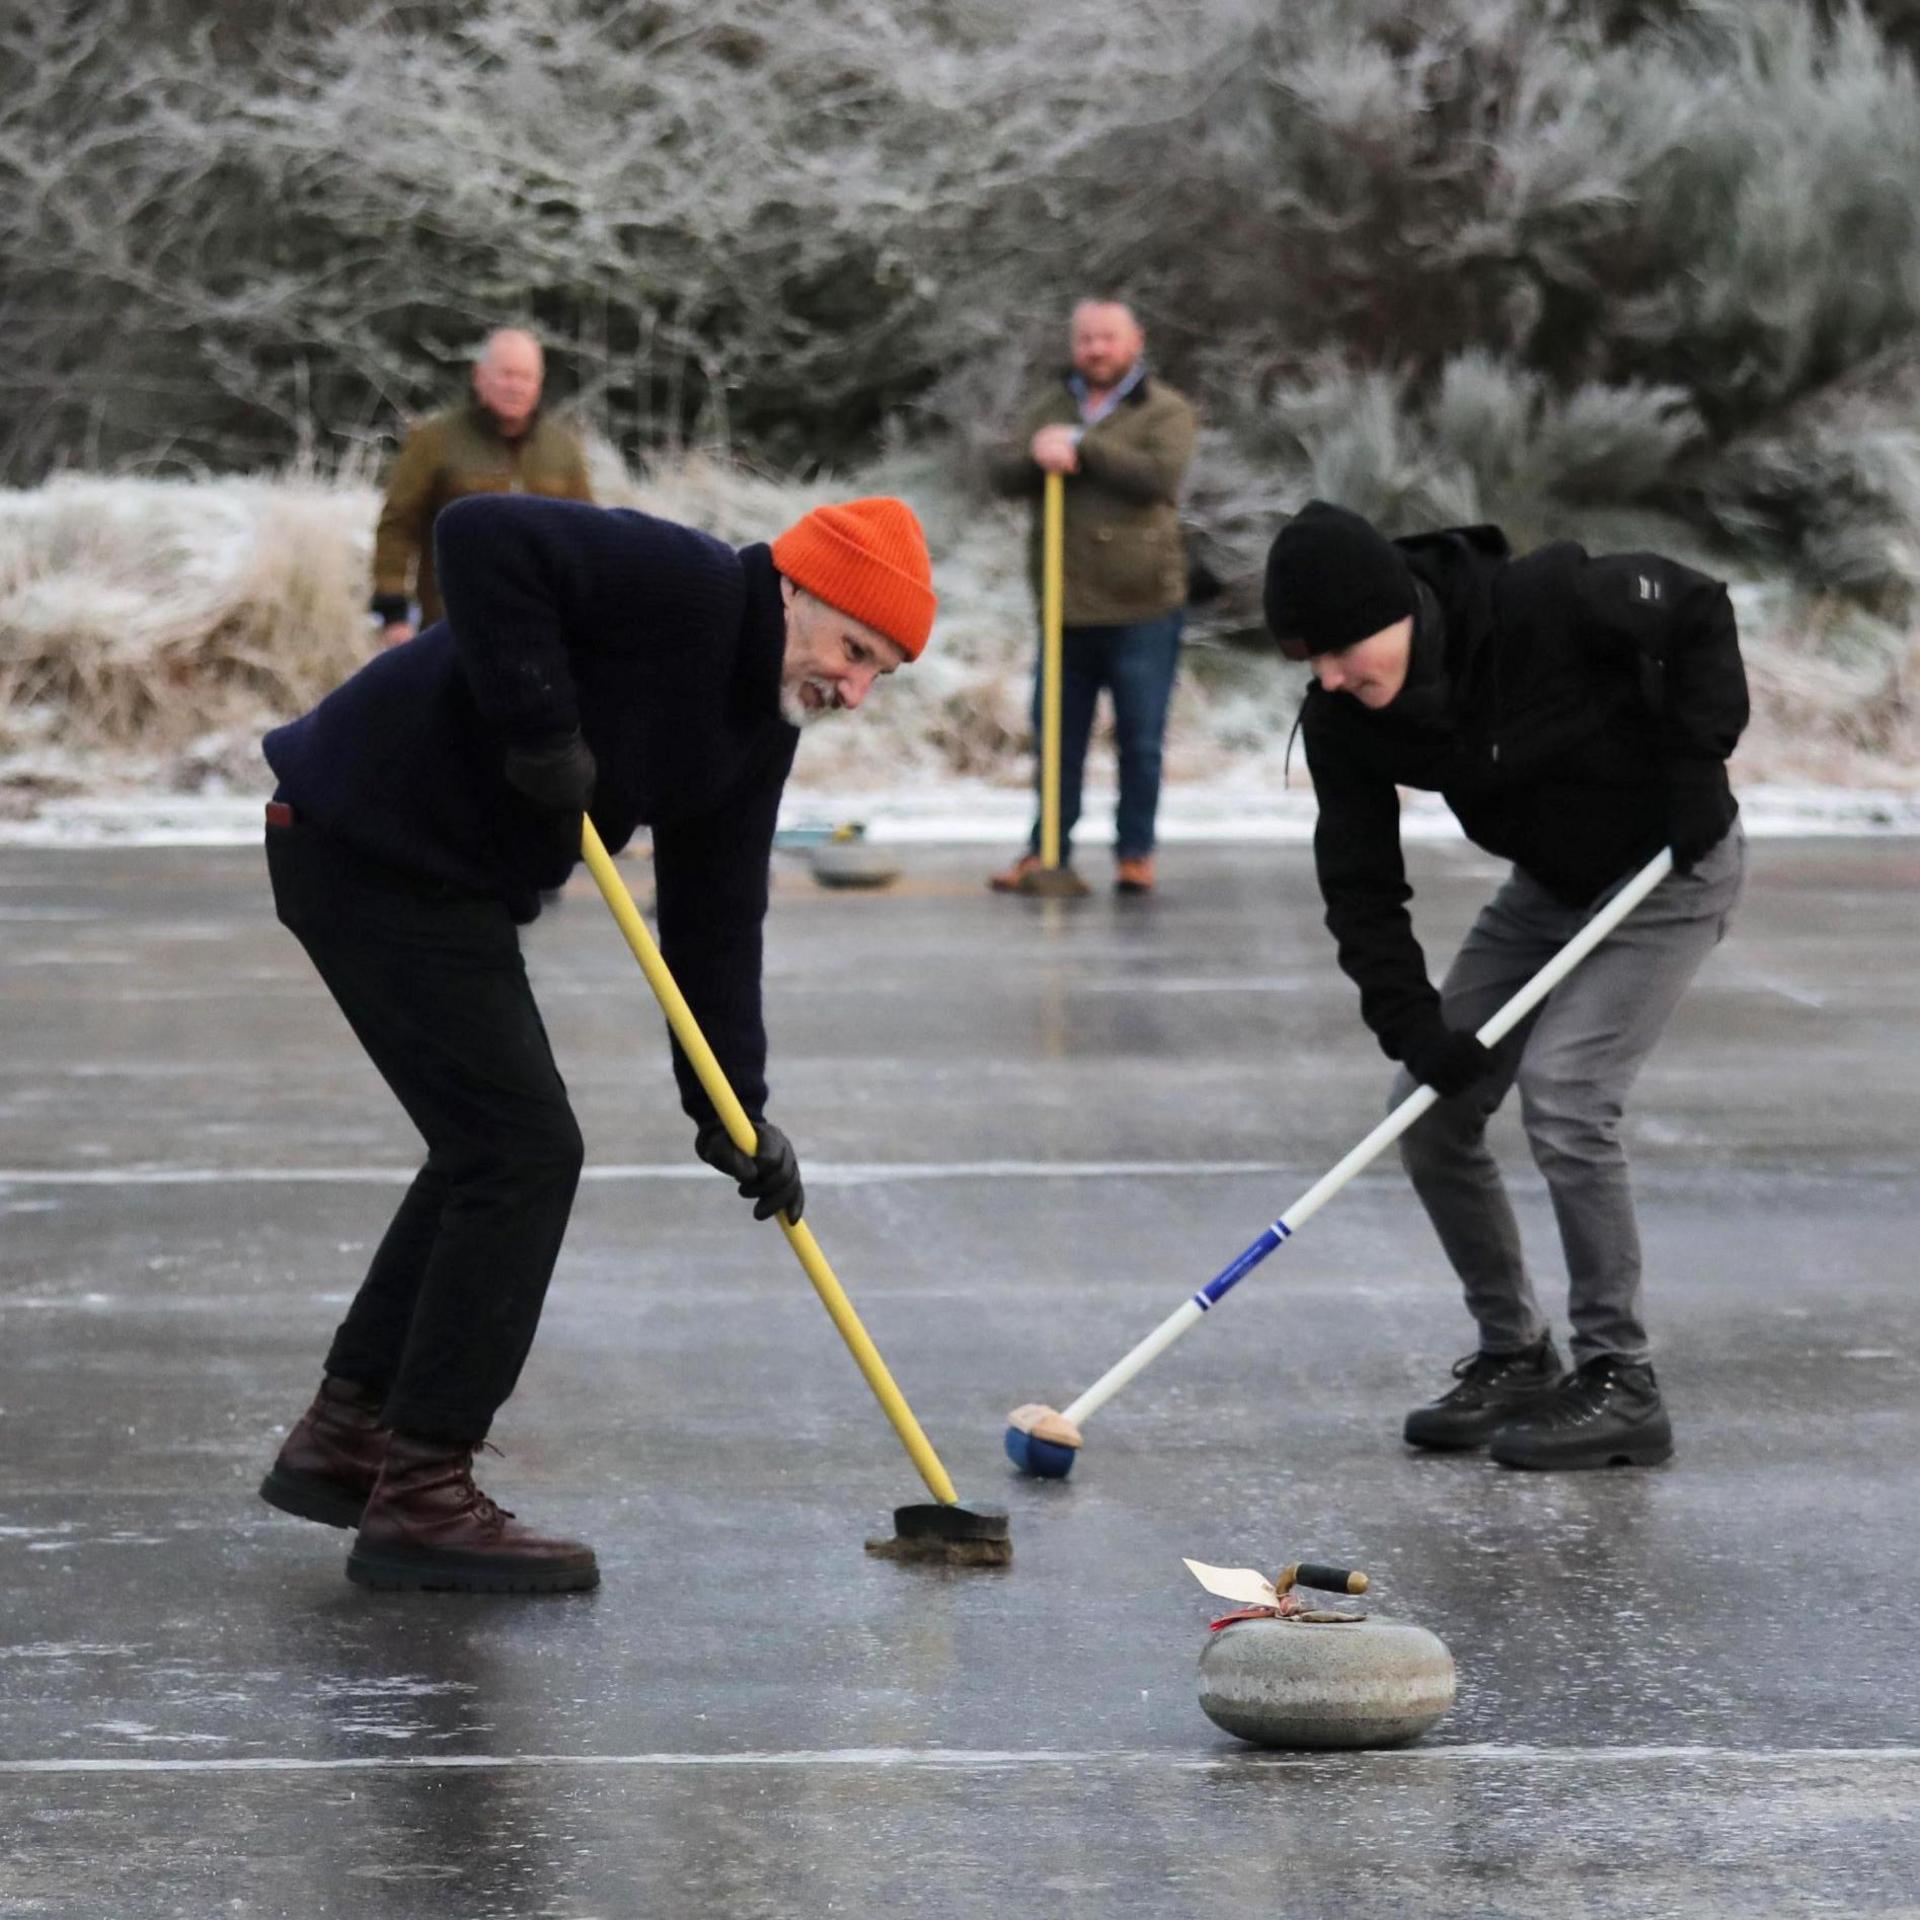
x=1055, y=450
x=396, y=631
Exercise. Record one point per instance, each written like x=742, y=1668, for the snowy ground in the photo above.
x=151, y=631
x=957, y=812
x=1029, y=1130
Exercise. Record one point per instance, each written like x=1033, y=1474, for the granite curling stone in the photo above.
x=1338, y=1683
x=852, y=863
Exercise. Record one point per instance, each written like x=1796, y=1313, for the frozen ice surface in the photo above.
x=1031, y=1129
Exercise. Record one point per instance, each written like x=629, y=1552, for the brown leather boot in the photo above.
x=428, y=1528
x=1012, y=879
x=332, y=1457
x=1134, y=874
x=1028, y=875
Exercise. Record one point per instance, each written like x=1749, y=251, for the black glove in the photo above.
x=770, y=1176
x=1697, y=819
x=556, y=774
x=1448, y=1060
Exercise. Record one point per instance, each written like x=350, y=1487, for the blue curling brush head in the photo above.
x=1043, y=1459
x=1041, y=1442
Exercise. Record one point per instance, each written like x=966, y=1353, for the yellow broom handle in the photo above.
x=733, y=1116
x=1052, y=595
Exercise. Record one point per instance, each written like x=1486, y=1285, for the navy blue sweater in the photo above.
x=664, y=647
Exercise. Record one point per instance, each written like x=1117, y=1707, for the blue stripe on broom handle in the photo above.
x=1230, y=1277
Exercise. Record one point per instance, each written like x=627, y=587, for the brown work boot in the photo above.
x=332, y=1457
x=1133, y=873
x=1030, y=875
x=428, y=1528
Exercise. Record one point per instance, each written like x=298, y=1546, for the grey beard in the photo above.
x=796, y=713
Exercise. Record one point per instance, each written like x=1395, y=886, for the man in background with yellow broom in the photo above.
x=592, y=660
x=1122, y=441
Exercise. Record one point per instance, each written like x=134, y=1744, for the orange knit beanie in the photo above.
x=869, y=559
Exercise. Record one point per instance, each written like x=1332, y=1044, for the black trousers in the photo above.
x=432, y=982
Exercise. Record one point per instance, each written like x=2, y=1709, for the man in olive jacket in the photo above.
x=1123, y=440
x=495, y=441
x=1576, y=714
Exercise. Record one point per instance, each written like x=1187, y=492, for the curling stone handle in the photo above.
x=1322, y=1579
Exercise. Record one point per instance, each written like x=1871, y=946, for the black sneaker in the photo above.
x=1608, y=1414
x=1492, y=1387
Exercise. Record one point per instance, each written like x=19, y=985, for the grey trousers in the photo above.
x=1573, y=1061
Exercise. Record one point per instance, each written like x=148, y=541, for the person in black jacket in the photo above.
x=591, y=660
x=1576, y=713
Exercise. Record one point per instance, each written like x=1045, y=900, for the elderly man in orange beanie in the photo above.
x=591, y=660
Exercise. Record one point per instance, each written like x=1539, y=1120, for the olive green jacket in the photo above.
x=1124, y=559
x=446, y=457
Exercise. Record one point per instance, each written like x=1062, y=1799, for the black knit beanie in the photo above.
x=1333, y=579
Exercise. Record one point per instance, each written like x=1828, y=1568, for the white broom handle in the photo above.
x=1491, y=1034
x=1150, y=1349
x=1389, y=1130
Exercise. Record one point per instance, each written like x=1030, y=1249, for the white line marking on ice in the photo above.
x=964, y=1759
x=825, y=1173
x=1180, y=983
x=1746, y=975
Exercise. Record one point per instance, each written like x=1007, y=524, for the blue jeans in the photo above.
x=1135, y=663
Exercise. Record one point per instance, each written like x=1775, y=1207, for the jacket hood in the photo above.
x=1485, y=542
x=1459, y=564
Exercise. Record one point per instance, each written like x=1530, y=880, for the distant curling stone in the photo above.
x=846, y=860
x=1305, y=1683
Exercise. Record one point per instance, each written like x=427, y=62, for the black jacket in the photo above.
x=664, y=647
x=1556, y=702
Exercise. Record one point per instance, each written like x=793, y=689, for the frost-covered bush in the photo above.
x=1547, y=260
x=1785, y=244
x=1487, y=442
x=154, y=629
x=1831, y=489
x=784, y=221
x=146, y=613
x=1836, y=693
x=174, y=620
x=727, y=221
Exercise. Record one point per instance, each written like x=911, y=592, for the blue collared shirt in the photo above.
x=1091, y=416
